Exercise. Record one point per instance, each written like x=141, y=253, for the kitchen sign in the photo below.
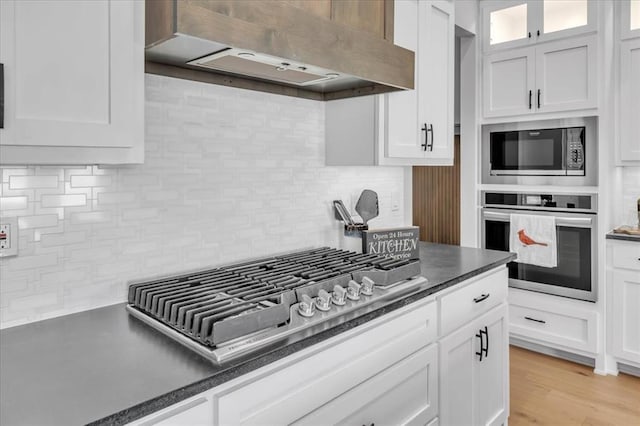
x=398, y=243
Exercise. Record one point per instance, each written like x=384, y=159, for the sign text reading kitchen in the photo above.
x=399, y=243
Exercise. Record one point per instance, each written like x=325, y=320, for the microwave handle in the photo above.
x=561, y=221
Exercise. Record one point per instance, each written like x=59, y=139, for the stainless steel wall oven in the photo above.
x=576, y=231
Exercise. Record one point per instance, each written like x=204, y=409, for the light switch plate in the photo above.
x=9, y=243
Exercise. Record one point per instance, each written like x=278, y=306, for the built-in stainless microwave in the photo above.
x=551, y=152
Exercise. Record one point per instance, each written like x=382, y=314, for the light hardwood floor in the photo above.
x=552, y=391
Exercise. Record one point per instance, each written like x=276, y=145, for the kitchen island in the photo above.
x=106, y=367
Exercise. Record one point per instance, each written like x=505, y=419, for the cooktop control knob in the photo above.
x=307, y=307
x=338, y=295
x=323, y=301
x=353, y=290
x=367, y=286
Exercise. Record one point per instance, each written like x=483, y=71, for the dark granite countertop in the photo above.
x=106, y=367
x=625, y=237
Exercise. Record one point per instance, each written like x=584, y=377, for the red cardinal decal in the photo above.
x=527, y=240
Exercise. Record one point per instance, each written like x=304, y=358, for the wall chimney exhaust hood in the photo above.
x=271, y=46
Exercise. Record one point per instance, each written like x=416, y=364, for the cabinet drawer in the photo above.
x=295, y=390
x=463, y=305
x=626, y=255
x=197, y=411
x=405, y=393
x=570, y=329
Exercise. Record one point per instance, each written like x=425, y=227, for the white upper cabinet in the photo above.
x=419, y=123
x=566, y=73
x=629, y=83
x=550, y=77
x=509, y=82
x=74, y=81
x=514, y=23
x=410, y=127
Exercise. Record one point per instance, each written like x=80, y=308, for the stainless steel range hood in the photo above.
x=271, y=46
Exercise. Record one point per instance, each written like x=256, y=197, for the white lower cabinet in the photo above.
x=406, y=393
x=552, y=321
x=623, y=313
x=474, y=383
x=292, y=392
x=393, y=370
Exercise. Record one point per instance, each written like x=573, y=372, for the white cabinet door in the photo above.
x=436, y=64
x=492, y=374
x=508, y=83
x=406, y=393
x=566, y=75
x=74, y=78
x=625, y=290
x=630, y=100
x=295, y=391
x=505, y=23
x=403, y=137
x=474, y=382
x=516, y=23
x=552, y=77
x=418, y=124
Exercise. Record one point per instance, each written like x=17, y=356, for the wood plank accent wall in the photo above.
x=436, y=200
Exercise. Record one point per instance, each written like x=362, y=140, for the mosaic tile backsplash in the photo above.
x=229, y=174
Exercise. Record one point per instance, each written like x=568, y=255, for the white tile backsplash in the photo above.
x=229, y=174
x=630, y=194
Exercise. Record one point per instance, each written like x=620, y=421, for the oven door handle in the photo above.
x=560, y=221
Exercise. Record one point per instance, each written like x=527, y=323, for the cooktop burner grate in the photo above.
x=221, y=304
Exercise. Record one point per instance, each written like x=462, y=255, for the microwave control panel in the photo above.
x=575, y=148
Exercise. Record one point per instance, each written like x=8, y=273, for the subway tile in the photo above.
x=139, y=214
x=38, y=221
x=29, y=182
x=63, y=200
x=13, y=203
x=90, y=217
x=116, y=197
x=63, y=239
x=55, y=279
x=33, y=262
x=84, y=181
x=35, y=301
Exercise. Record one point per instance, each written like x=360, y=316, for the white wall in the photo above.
x=229, y=174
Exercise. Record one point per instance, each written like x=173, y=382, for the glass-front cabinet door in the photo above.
x=629, y=18
x=514, y=23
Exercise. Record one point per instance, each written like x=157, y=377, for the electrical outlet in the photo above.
x=8, y=237
x=395, y=201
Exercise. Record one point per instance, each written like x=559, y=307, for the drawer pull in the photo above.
x=535, y=320
x=481, y=298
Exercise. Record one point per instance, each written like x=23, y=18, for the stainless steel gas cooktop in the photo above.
x=234, y=311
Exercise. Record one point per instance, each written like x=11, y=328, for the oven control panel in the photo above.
x=535, y=201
